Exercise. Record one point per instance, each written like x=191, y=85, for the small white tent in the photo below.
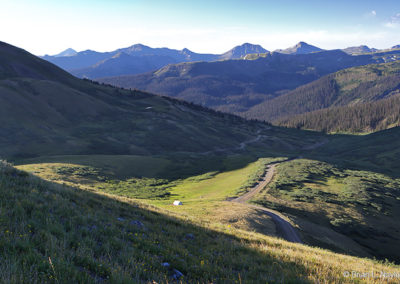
x=177, y=202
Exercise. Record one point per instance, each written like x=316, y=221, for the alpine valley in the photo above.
x=283, y=166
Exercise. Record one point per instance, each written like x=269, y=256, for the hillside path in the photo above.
x=287, y=231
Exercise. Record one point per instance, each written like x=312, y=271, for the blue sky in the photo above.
x=49, y=26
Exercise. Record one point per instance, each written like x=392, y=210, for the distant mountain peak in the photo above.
x=67, y=52
x=186, y=51
x=241, y=51
x=137, y=47
x=359, y=49
x=249, y=45
x=300, y=48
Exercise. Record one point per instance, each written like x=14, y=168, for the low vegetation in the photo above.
x=359, y=204
x=58, y=234
x=201, y=193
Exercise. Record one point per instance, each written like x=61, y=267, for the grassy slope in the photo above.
x=44, y=111
x=60, y=234
x=202, y=195
x=377, y=152
x=48, y=118
x=359, y=204
x=118, y=166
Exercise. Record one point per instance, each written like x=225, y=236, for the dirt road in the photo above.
x=287, y=231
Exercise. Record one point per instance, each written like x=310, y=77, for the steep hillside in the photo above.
x=237, y=85
x=377, y=152
x=348, y=87
x=46, y=111
x=359, y=118
x=17, y=63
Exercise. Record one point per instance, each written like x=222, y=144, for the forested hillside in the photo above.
x=352, y=88
x=237, y=85
x=366, y=117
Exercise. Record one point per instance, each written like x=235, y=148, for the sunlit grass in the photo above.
x=58, y=234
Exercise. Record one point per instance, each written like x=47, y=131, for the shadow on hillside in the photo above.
x=110, y=225
x=378, y=152
x=184, y=245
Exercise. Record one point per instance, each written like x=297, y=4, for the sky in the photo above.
x=206, y=26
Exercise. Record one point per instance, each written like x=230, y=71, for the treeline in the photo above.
x=347, y=87
x=361, y=118
x=195, y=106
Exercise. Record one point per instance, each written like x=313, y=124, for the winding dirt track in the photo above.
x=287, y=231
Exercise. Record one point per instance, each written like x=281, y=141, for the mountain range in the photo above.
x=237, y=85
x=136, y=59
x=139, y=58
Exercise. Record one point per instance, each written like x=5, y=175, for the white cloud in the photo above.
x=390, y=25
x=394, y=21
x=372, y=14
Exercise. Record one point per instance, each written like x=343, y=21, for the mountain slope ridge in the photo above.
x=46, y=111
x=348, y=87
x=237, y=85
